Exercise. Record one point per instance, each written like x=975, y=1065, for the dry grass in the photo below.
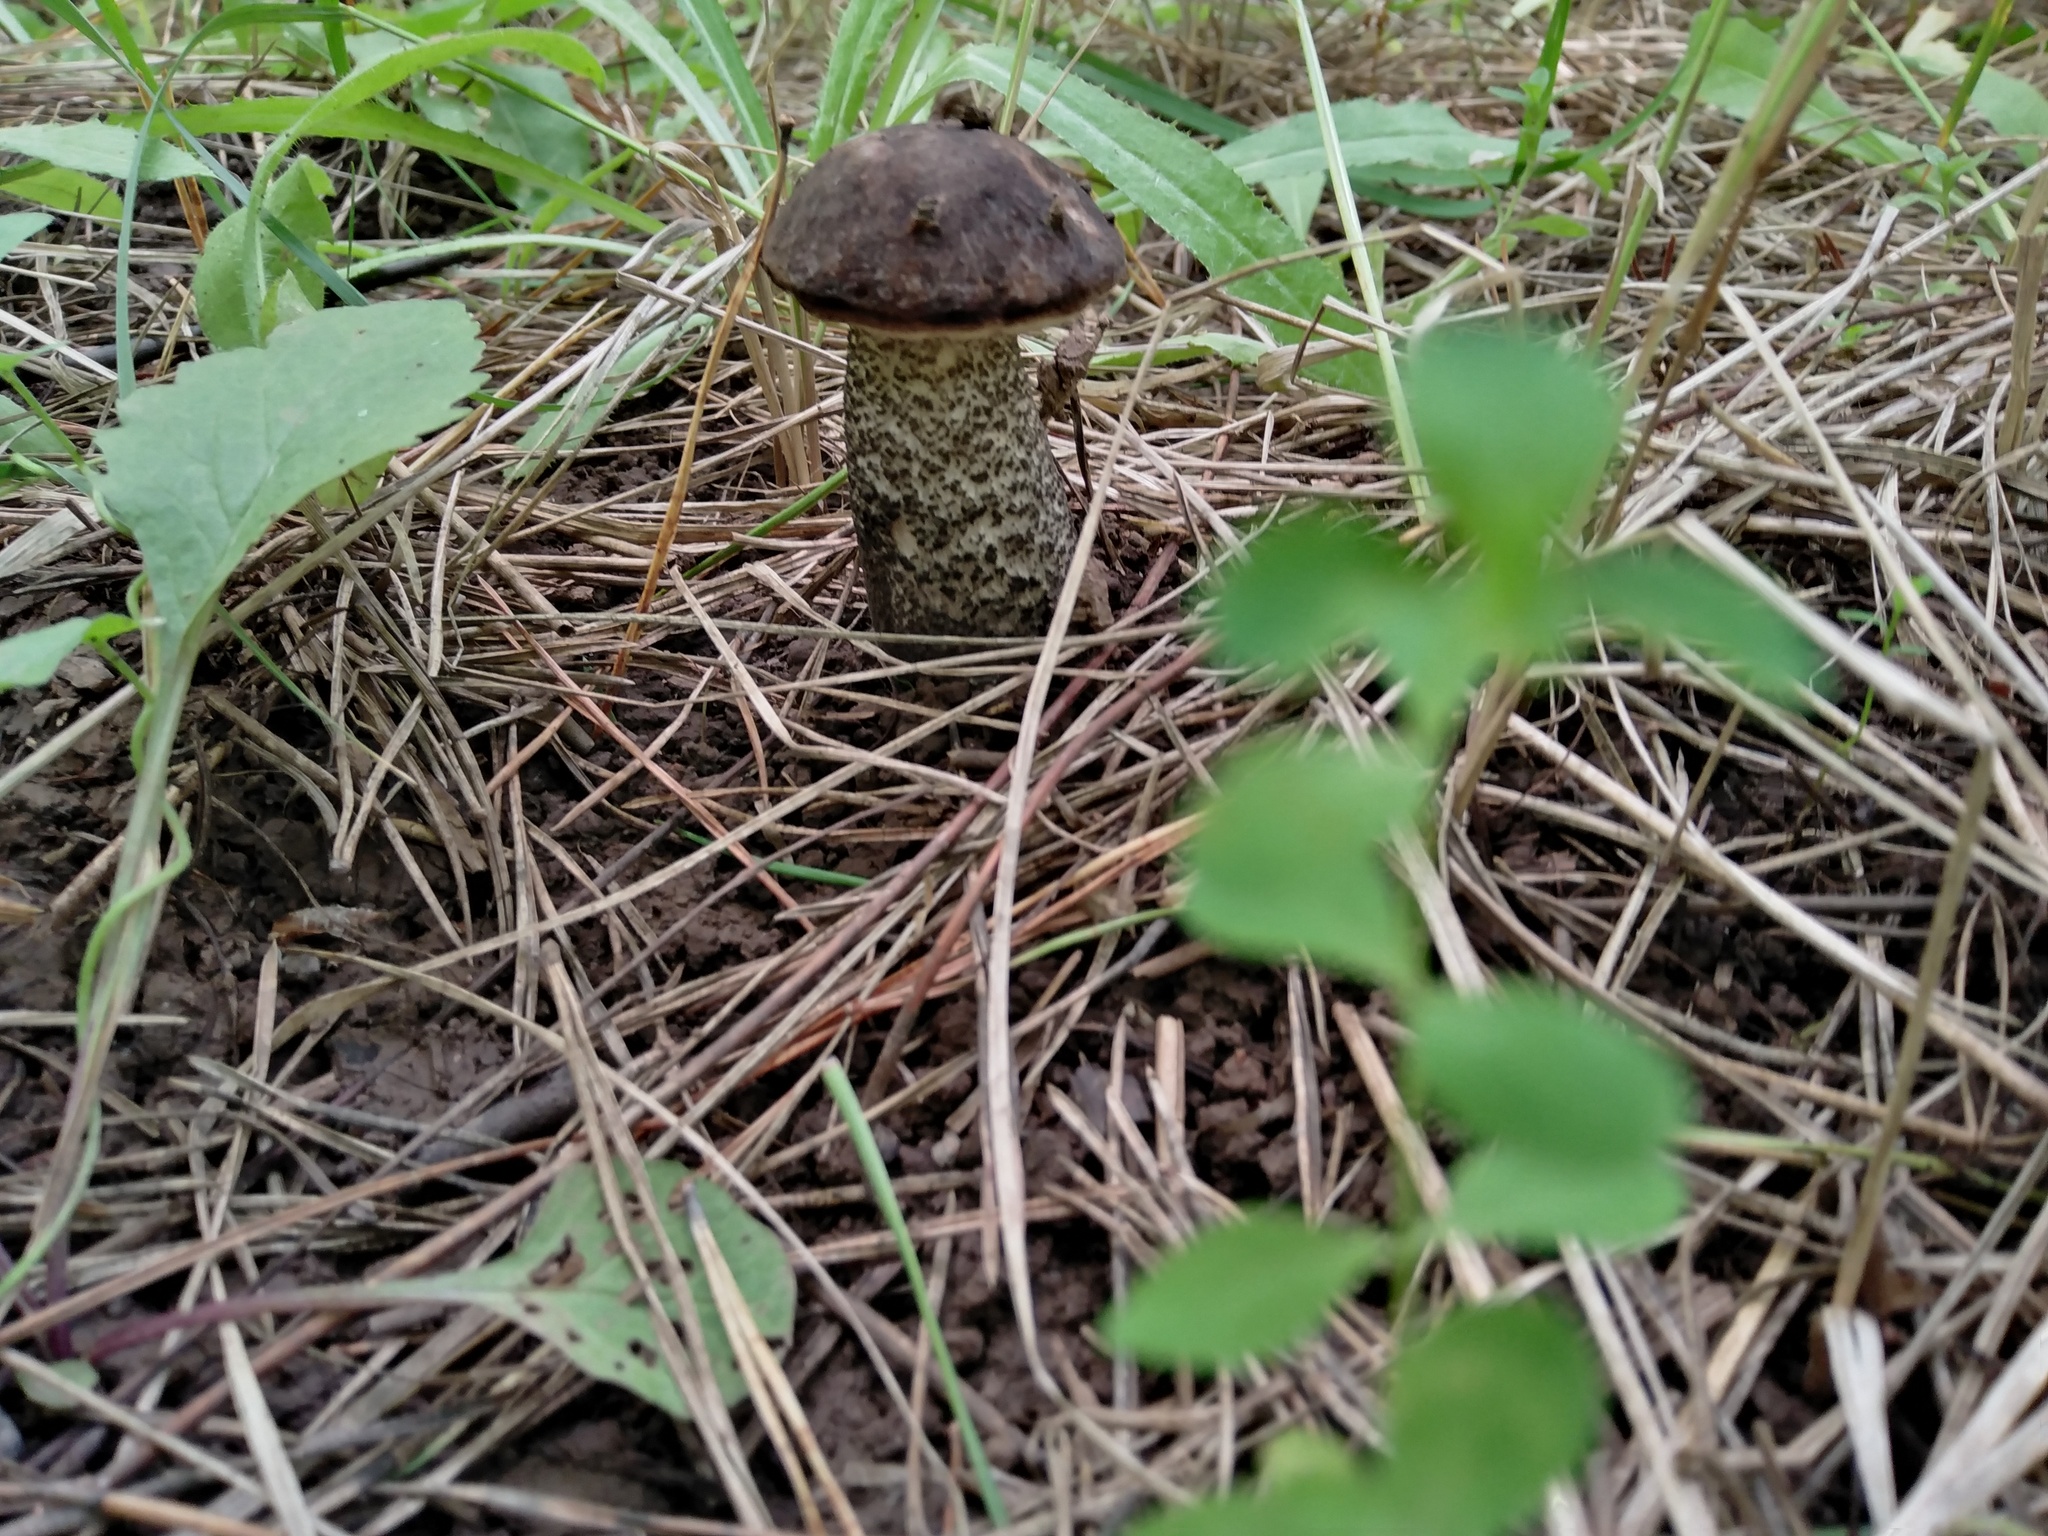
x=1748, y=885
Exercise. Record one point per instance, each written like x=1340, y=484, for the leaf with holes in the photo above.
x=568, y=1283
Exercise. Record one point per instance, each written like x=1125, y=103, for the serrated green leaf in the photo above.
x=240, y=301
x=1290, y=859
x=1187, y=191
x=1250, y=1287
x=1669, y=595
x=1318, y=585
x=1536, y=1069
x=1315, y=585
x=1514, y=1194
x=17, y=227
x=199, y=468
x=31, y=659
x=1515, y=434
x=67, y=191
x=98, y=149
x=568, y=1283
x=1481, y=1413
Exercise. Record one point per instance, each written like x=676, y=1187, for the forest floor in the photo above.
x=381, y=925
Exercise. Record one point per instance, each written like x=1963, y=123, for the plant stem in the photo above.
x=118, y=950
x=1994, y=29
x=1933, y=959
x=870, y=1156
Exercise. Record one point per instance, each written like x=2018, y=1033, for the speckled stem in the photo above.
x=959, y=509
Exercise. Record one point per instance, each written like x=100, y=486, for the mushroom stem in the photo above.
x=960, y=512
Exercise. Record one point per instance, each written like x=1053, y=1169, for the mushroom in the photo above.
x=936, y=244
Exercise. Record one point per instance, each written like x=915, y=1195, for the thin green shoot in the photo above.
x=1994, y=29
x=766, y=526
x=863, y=1138
x=1887, y=625
x=1361, y=255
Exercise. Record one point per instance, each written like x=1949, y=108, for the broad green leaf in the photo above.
x=1668, y=595
x=1300, y=1455
x=1515, y=433
x=1186, y=190
x=1250, y=1287
x=99, y=149
x=31, y=659
x=199, y=468
x=1315, y=585
x=1535, y=1069
x=1290, y=859
x=1481, y=1413
x=533, y=130
x=380, y=75
x=707, y=19
x=67, y=191
x=1734, y=82
x=1513, y=1194
x=1409, y=143
x=568, y=1283
x=376, y=123
x=864, y=26
x=17, y=227
x=239, y=300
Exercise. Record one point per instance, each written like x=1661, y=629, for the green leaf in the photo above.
x=1534, y=1068
x=1315, y=585
x=17, y=227
x=1250, y=1287
x=31, y=659
x=1554, y=224
x=99, y=149
x=79, y=1373
x=1669, y=595
x=1290, y=859
x=1186, y=190
x=1515, y=433
x=239, y=301
x=707, y=19
x=535, y=131
x=375, y=123
x=1484, y=1411
x=568, y=1283
x=1409, y=143
x=199, y=468
x=1318, y=1506
x=67, y=191
x=1734, y=82
x=1517, y=1195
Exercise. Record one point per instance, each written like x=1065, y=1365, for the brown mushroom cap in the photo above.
x=937, y=227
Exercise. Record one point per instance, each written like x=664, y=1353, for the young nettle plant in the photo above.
x=196, y=472
x=1568, y=1117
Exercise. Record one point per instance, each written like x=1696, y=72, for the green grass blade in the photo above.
x=706, y=17
x=863, y=28
x=885, y=1199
